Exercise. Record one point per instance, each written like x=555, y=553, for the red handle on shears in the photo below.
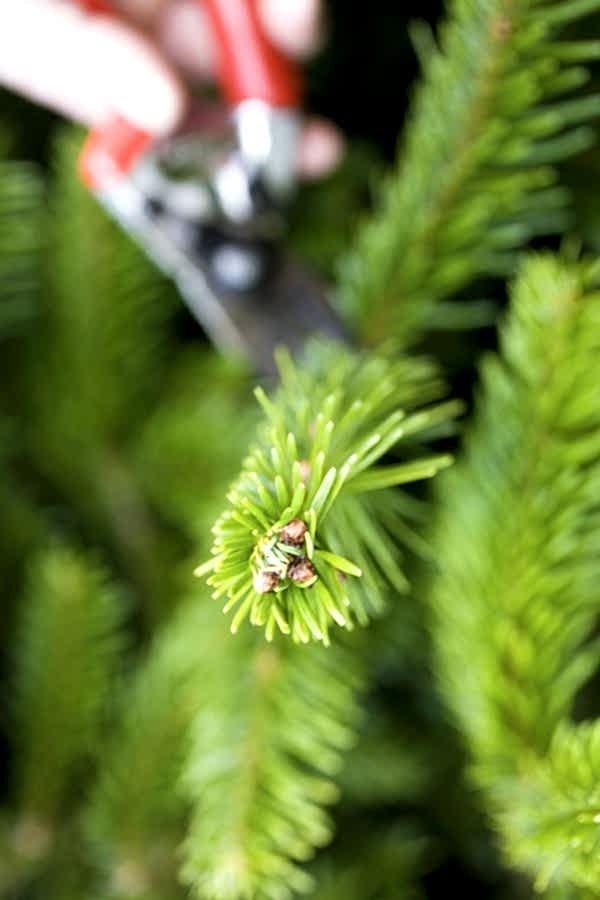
x=95, y=6
x=112, y=148
x=249, y=68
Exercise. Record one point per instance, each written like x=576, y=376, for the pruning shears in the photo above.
x=209, y=209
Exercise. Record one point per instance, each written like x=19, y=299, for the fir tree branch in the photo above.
x=551, y=820
x=303, y=544
x=270, y=724
x=21, y=214
x=136, y=814
x=66, y=655
x=95, y=363
x=104, y=328
x=516, y=598
x=475, y=177
x=266, y=745
x=276, y=718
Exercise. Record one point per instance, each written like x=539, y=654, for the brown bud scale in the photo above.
x=301, y=570
x=265, y=582
x=293, y=533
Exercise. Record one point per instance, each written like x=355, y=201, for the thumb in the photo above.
x=86, y=66
x=295, y=26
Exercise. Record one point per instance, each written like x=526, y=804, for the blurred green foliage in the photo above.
x=144, y=740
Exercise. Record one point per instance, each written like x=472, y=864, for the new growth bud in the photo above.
x=293, y=533
x=265, y=582
x=301, y=570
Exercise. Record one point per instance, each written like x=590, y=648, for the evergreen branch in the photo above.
x=136, y=814
x=266, y=745
x=66, y=654
x=517, y=546
x=474, y=179
x=96, y=350
x=302, y=543
x=21, y=213
x=104, y=321
x=552, y=824
x=270, y=724
x=95, y=364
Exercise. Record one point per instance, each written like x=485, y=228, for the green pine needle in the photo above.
x=300, y=546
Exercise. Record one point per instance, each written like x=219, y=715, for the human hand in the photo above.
x=140, y=65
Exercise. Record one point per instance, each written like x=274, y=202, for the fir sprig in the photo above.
x=136, y=814
x=103, y=330
x=307, y=539
x=95, y=359
x=68, y=648
x=551, y=821
x=499, y=104
x=21, y=239
x=517, y=546
x=265, y=751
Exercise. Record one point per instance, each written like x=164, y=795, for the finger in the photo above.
x=320, y=149
x=295, y=26
x=86, y=67
x=183, y=31
x=142, y=12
